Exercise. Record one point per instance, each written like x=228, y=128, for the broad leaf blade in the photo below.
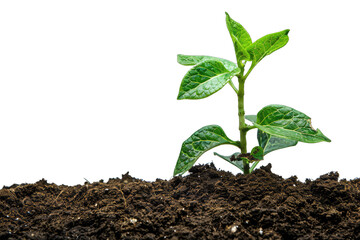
x=205, y=79
x=238, y=164
x=267, y=45
x=190, y=60
x=286, y=122
x=240, y=37
x=197, y=144
x=271, y=143
x=268, y=142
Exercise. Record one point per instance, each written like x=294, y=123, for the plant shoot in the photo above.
x=278, y=126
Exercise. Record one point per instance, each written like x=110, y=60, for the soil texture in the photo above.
x=206, y=204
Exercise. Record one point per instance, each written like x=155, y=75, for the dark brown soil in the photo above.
x=207, y=204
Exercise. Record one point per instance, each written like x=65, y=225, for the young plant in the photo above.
x=278, y=126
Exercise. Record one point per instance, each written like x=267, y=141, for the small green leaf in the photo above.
x=238, y=164
x=286, y=122
x=271, y=143
x=268, y=142
x=257, y=153
x=251, y=118
x=197, y=144
x=190, y=60
x=267, y=45
x=240, y=37
x=205, y=79
x=238, y=31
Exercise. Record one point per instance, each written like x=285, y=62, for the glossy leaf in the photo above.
x=286, y=122
x=267, y=45
x=190, y=60
x=271, y=143
x=268, y=142
x=205, y=79
x=197, y=144
x=240, y=37
x=238, y=164
x=257, y=153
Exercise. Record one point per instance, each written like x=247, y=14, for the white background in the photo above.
x=88, y=88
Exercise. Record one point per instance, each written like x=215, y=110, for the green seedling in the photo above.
x=278, y=126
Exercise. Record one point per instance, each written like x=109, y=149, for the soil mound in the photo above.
x=207, y=204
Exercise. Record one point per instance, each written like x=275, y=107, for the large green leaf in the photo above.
x=269, y=142
x=201, y=141
x=286, y=122
x=267, y=45
x=190, y=60
x=240, y=37
x=205, y=79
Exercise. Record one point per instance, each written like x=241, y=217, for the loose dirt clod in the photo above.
x=207, y=204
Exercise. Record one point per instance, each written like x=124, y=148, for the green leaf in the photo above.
x=257, y=153
x=238, y=164
x=286, y=122
x=268, y=142
x=197, y=144
x=251, y=118
x=205, y=79
x=271, y=143
x=240, y=37
x=267, y=45
x=190, y=60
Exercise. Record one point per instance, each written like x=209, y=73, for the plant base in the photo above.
x=207, y=204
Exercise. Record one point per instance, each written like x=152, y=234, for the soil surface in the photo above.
x=207, y=204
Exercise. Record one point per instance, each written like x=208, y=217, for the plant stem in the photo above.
x=249, y=71
x=242, y=126
x=254, y=165
x=233, y=86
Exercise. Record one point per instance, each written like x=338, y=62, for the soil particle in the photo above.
x=207, y=204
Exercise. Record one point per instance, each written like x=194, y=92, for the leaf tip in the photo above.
x=327, y=139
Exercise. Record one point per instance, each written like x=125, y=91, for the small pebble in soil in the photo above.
x=133, y=220
x=234, y=228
